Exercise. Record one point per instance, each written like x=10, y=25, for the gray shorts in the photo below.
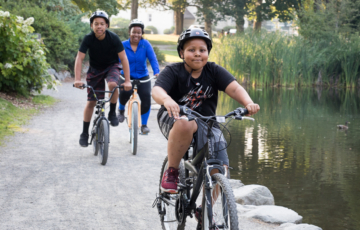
x=166, y=123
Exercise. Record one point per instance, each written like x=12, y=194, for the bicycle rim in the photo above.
x=103, y=142
x=224, y=206
x=134, y=128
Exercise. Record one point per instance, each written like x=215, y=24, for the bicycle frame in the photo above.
x=134, y=98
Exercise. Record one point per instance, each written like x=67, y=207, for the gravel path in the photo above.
x=47, y=181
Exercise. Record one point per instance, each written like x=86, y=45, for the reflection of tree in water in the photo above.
x=295, y=150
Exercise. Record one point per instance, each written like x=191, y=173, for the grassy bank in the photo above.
x=274, y=59
x=13, y=117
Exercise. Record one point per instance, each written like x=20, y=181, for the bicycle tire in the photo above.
x=95, y=141
x=103, y=142
x=224, y=209
x=168, y=219
x=134, y=127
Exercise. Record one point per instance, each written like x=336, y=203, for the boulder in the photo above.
x=235, y=183
x=253, y=195
x=289, y=226
x=270, y=214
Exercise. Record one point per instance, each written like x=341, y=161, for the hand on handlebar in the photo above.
x=127, y=85
x=172, y=107
x=252, y=108
x=79, y=84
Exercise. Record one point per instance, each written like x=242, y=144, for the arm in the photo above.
x=126, y=69
x=161, y=97
x=238, y=93
x=78, y=66
x=150, y=53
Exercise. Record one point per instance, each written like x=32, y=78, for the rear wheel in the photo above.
x=103, y=142
x=224, y=213
x=134, y=128
x=168, y=216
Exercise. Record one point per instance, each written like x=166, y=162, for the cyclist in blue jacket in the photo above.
x=137, y=51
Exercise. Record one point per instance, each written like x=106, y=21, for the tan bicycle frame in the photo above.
x=133, y=99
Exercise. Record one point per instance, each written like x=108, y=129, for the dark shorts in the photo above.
x=166, y=123
x=95, y=78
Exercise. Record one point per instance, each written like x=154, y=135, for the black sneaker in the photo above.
x=113, y=119
x=145, y=129
x=121, y=116
x=84, y=140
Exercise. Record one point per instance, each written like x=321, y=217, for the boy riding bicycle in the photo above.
x=194, y=83
x=105, y=49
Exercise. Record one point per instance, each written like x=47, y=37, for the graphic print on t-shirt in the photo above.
x=195, y=97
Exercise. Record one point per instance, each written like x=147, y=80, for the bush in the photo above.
x=56, y=35
x=227, y=28
x=23, y=64
x=147, y=31
x=169, y=31
x=119, y=22
x=159, y=55
x=123, y=33
x=153, y=29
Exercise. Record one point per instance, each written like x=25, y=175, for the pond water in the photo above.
x=295, y=149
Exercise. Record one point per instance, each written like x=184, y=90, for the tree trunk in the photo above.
x=179, y=21
x=134, y=9
x=240, y=25
x=208, y=25
x=258, y=19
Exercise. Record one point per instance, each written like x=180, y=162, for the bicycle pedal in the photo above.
x=144, y=134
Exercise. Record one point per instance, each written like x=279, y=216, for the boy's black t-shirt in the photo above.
x=199, y=94
x=104, y=52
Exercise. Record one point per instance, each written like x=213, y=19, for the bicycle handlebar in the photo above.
x=103, y=91
x=143, y=81
x=239, y=114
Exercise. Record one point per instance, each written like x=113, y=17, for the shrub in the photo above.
x=23, y=64
x=226, y=28
x=153, y=29
x=147, y=31
x=119, y=22
x=123, y=33
x=159, y=55
x=169, y=31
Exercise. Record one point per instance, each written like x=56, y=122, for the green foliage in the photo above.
x=122, y=33
x=23, y=65
x=153, y=29
x=275, y=59
x=159, y=55
x=147, y=31
x=169, y=31
x=111, y=7
x=226, y=28
x=117, y=22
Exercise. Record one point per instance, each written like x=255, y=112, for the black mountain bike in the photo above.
x=100, y=132
x=218, y=207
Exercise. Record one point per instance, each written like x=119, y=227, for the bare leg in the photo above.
x=88, y=111
x=115, y=97
x=179, y=140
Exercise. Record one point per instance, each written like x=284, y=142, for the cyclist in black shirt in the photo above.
x=105, y=49
x=194, y=83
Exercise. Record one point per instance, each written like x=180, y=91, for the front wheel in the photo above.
x=103, y=142
x=168, y=216
x=224, y=213
x=134, y=128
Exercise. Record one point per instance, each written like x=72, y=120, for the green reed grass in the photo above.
x=273, y=59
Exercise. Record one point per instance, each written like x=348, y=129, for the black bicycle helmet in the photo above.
x=136, y=22
x=100, y=14
x=193, y=33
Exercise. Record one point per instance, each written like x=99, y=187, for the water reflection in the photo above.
x=295, y=149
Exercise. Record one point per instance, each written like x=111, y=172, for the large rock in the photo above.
x=235, y=184
x=289, y=226
x=270, y=214
x=253, y=195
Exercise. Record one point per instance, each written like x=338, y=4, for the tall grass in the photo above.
x=273, y=59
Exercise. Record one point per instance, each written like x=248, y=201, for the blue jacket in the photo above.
x=137, y=60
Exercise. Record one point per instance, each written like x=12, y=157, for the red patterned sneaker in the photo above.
x=170, y=180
